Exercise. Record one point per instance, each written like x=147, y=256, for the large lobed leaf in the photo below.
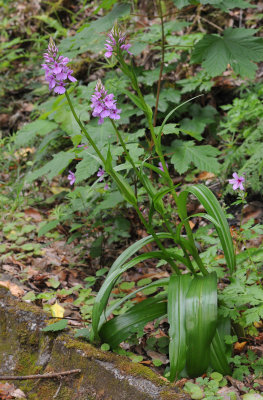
x=237, y=47
x=186, y=153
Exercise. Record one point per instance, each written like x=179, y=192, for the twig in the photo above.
x=161, y=67
x=39, y=376
x=58, y=390
x=212, y=24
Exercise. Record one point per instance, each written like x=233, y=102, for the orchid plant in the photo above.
x=189, y=296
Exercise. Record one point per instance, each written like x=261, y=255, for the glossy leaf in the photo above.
x=177, y=291
x=159, y=283
x=219, y=351
x=201, y=321
x=213, y=208
x=121, y=327
x=104, y=292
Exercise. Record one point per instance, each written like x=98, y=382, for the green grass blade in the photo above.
x=121, y=327
x=177, y=290
x=213, y=208
x=201, y=321
x=159, y=283
x=104, y=293
x=159, y=134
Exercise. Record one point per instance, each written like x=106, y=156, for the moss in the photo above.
x=31, y=308
x=26, y=365
x=44, y=390
x=140, y=371
x=121, y=362
x=168, y=395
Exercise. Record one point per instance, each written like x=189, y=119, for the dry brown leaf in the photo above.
x=204, y=175
x=239, y=346
x=18, y=394
x=33, y=213
x=16, y=290
x=192, y=225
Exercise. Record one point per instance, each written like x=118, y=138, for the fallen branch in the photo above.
x=39, y=376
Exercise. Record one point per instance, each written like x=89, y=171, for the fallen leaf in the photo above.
x=14, y=289
x=237, y=384
x=225, y=393
x=18, y=394
x=33, y=213
x=57, y=311
x=239, y=346
x=192, y=225
x=204, y=175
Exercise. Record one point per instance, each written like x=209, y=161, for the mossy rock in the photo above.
x=26, y=350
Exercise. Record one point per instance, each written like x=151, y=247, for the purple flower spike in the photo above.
x=56, y=70
x=104, y=104
x=115, y=42
x=237, y=181
x=71, y=178
x=161, y=167
x=100, y=173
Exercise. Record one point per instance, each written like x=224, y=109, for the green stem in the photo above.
x=162, y=63
x=147, y=226
x=83, y=129
x=161, y=156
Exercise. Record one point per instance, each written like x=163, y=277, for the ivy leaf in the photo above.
x=237, y=47
x=185, y=153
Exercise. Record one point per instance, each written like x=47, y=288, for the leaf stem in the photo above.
x=162, y=63
x=83, y=129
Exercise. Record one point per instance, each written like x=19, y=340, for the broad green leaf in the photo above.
x=224, y=5
x=135, y=99
x=57, y=326
x=28, y=132
x=216, y=52
x=186, y=152
x=201, y=321
x=53, y=23
x=86, y=168
x=159, y=134
x=48, y=227
x=121, y=327
x=60, y=161
x=181, y=3
x=213, y=208
x=78, y=44
x=159, y=283
x=218, y=357
x=124, y=187
x=104, y=292
x=177, y=290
